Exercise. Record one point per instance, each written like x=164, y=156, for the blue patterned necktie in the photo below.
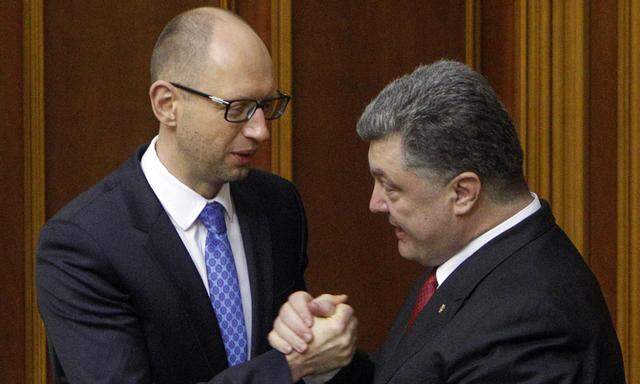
x=224, y=289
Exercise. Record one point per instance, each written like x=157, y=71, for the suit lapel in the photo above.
x=403, y=343
x=398, y=328
x=166, y=248
x=256, y=239
x=453, y=293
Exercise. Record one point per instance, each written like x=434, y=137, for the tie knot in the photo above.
x=212, y=216
x=432, y=282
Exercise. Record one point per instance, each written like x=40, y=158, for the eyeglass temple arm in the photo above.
x=196, y=92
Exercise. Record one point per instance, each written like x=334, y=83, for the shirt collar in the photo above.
x=450, y=265
x=181, y=203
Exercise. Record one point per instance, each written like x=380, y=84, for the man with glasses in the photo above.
x=173, y=268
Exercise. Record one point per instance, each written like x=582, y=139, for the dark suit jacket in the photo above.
x=122, y=301
x=524, y=308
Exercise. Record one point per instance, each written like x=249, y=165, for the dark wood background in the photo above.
x=12, y=228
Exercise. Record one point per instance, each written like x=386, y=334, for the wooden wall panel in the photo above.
x=628, y=167
x=343, y=55
x=497, y=48
x=258, y=14
x=12, y=304
x=602, y=146
x=282, y=129
x=551, y=105
x=97, y=80
x=34, y=168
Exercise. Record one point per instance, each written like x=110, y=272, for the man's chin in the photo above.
x=237, y=174
x=410, y=253
x=242, y=172
x=406, y=251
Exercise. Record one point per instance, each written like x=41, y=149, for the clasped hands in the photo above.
x=316, y=335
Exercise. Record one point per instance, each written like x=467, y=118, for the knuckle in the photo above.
x=294, y=295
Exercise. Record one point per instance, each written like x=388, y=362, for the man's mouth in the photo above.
x=244, y=156
x=400, y=233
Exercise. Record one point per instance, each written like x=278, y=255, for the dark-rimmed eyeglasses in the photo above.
x=240, y=110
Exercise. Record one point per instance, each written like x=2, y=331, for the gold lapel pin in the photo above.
x=442, y=308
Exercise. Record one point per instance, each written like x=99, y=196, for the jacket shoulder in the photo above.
x=100, y=204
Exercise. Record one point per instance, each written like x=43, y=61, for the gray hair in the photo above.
x=450, y=121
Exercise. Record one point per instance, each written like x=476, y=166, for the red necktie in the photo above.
x=427, y=290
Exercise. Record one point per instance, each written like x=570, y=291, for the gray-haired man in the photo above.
x=505, y=297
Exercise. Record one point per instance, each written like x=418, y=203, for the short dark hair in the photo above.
x=182, y=49
x=450, y=121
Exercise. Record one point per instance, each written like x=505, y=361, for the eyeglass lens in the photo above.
x=241, y=110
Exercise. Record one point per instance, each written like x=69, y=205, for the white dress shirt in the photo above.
x=183, y=205
x=450, y=265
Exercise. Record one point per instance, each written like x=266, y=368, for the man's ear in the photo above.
x=466, y=187
x=163, y=102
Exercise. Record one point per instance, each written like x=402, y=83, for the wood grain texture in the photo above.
x=602, y=146
x=12, y=215
x=569, y=182
x=628, y=295
x=551, y=104
x=473, y=34
x=497, y=48
x=281, y=129
x=533, y=92
x=34, y=184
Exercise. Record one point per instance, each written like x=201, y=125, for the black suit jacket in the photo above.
x=524, y=308
x=122, y=301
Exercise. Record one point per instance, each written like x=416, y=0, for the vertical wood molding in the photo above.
x=281, y=129
x=569, y=103
x=551, y=99
x=229, y=5
x=35, y=348
x=628, y=271
x=473, y=34
x=533, y=91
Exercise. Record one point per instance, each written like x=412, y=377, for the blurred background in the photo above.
x=74, y=105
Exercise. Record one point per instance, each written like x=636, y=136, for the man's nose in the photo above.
x=377, y=203
x=256, y=128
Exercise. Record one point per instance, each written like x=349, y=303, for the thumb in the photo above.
x=325, y=305
x=343, y=313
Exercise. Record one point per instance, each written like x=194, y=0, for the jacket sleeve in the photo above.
x=89, y=319
x=360, y=370
x=269, y=368
x=533, y=344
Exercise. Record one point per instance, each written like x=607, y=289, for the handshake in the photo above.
x=316, y=335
